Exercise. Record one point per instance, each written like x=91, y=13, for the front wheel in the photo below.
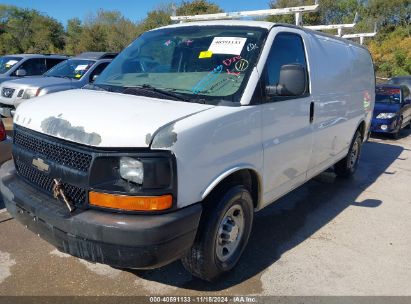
x=348, y=165
x=223, y=234
x=396, y=135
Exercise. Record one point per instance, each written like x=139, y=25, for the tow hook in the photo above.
x=59, y=192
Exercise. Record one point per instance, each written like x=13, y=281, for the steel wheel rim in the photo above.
x=230, y=233
x=354, y=154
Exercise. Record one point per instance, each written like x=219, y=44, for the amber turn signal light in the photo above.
x=130, y=203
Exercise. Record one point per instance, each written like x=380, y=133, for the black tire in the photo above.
x=349, y=164
x=203, y=259
x=397, y=133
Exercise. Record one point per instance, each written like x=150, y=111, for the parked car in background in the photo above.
x=401, y=80
x=190, y=130
x=26, y=65
x=392, y=110
x=73, y=73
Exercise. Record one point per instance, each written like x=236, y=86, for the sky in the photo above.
x=134, y=10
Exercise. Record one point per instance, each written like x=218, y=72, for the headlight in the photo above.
x=386, y=115
x=29, y=93
x=132, y=170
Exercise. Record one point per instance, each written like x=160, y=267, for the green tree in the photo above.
x=74, y=33
x=197, y=7
x=24, y=30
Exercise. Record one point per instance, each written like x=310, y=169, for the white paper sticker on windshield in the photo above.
x=227, y=45
x=11, y=62
x=81, y=67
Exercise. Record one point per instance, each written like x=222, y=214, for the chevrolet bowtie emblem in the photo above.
x=40, y=164
x=58, y=191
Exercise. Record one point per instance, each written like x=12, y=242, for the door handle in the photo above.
x=311, y=111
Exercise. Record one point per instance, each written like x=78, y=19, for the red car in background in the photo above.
x=3, y=135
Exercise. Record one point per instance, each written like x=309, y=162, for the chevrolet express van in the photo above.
x=185, y=135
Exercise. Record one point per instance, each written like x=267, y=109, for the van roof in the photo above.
x=263, y=24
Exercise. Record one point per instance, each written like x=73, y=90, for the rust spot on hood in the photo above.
x=62, y=128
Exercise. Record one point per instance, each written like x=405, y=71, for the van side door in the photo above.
x=286, y=123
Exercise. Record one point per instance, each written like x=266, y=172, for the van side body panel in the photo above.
x=211, y=144
x=343, y=95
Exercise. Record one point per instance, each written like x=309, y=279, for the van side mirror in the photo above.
x=94, y=78
x=21, y=73
x=292, y=82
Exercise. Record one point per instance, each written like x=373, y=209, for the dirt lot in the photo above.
x=329, y=237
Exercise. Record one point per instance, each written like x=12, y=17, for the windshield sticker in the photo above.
x=11, y=62
x=229, y=61
x=81, y=67
x=205, y=54
x=77, y=76
x=227, y=45
x=241, y=65
x=188, y=42
x=237, y=74
x=251, y=47
x=168, y=42
x=388, y=91
x=207, y=79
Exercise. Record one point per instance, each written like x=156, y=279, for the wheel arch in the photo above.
x=362, y=128
x=243, y=175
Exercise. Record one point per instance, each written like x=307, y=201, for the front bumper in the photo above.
x=121, y=240
x=377, y=123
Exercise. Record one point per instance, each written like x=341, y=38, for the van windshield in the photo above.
x=7, y=62
x=208, y=62
x=71, y=68
x=388, y=95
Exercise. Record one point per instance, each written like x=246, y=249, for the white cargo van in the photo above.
x=188, y=132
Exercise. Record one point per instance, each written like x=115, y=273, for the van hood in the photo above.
x=102, y=119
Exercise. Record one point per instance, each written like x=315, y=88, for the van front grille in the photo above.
x=75, y=194
x=52, y=151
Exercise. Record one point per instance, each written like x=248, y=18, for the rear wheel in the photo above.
x=222, y=235
x=348, y=165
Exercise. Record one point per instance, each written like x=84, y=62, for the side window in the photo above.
x=287, y=48
x=51, y=62
x=35, y=66
x=97, y=71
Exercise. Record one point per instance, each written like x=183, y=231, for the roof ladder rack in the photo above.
x=338, y=27
x=361, y=35
x=297, y=11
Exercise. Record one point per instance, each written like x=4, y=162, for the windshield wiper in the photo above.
x=164, y=92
